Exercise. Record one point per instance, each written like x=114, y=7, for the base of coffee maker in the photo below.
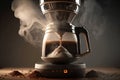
x=72, y=70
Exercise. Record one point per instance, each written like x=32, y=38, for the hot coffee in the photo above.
x=69, y=46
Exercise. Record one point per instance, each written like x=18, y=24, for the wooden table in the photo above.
x=110, y=73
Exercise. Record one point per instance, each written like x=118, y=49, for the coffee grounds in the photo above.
x=108, y=76
x=16, y=73
x=91, y=74
x=35, y=74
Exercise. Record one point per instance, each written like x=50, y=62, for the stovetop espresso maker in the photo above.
x=61, y=43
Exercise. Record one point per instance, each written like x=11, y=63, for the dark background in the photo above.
x=16, y=52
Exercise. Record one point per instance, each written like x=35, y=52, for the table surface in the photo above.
x=5, y=71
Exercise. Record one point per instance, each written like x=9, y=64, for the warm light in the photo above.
x=65, y=71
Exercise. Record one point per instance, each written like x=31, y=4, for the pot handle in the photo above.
x=78, y=31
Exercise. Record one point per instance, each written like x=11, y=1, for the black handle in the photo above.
x=78, y=31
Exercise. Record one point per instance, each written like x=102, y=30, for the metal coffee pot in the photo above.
x=61, y=42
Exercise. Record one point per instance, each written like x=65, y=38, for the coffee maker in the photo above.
x=61, y=46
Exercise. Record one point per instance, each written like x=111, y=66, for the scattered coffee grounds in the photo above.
x=1, y=78
x=108, y=76
x=16, y=73
x=91, y=74
x=35, y=74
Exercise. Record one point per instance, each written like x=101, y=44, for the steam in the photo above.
x=91, y=15
x=32, y=21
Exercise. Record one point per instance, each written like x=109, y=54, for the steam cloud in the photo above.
x=91, y=15
x=32, y=21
